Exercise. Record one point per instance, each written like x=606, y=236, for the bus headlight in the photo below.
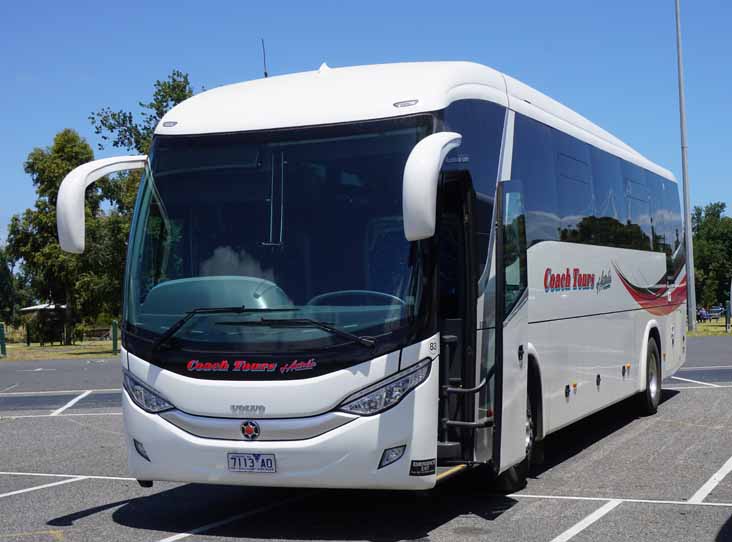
x=143, y=396
x=386, y=394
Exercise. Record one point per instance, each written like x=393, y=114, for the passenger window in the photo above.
x=578, y=193
x=533, y=164
x=514, y=246
x=574, y=185
x=676, y=257
x=575, y=206
x=635, y=181
x=657, y=212
x=640, y=226
x=609, y=190
x=639, y=234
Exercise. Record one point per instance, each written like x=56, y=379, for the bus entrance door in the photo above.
x=457, y=310
x=512, y=434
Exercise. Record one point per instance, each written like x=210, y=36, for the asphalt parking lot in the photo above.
x=614, y=476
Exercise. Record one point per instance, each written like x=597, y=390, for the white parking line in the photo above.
x=607, y=499
x=55, y=392
x=513, y=495
x=706, y=368
x=73, y=414
x=10, y=387
x=231, y=519
x=713, y=482
x=695, y=381
x=586, y=522
x=705, y=387
x=71, y=403
x=696, y=500
x=44, y=486
x=47, y=475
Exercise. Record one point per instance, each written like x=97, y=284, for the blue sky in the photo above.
x=613, y=62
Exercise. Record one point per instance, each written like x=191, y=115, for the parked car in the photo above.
x=716, y=312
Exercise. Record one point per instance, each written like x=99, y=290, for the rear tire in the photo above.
x=650, y=398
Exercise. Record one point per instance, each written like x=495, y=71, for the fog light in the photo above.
x=392, y=454
x=141, y=449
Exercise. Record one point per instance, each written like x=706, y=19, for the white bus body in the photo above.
x=373, y=277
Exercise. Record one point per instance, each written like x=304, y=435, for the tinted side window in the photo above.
x=481, y=125
x=608, y=184
x=534, y=165
x=658, y=212
x=674, y=228
x=606, y=225
x=639, y=206
x=574, y=184
x=578, y=193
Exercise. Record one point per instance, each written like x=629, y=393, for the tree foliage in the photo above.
x=89, y=284
x=122, y=130
x=32, y=235
x=712, y=253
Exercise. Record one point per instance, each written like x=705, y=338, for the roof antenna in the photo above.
x=264, y=58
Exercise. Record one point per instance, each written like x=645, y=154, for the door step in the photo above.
x=449, y=450
x=445, y=473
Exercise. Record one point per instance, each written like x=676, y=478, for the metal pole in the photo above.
x=688, y=241
x=115, y=350
x=3, y=351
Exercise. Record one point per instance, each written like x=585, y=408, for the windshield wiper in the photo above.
x=303, y=322
x=172, y=330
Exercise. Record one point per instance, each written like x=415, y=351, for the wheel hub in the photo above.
x=653, y=377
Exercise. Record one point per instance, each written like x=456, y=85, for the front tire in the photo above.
x=650, y=398
x=514, y=478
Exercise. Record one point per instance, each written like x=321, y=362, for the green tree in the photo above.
x=712, y=253
x=52, y=274
x=122, y=130
x=89, y=284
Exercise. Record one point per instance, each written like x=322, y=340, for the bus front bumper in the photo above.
x=345, y=457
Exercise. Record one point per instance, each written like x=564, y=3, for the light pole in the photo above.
x=688, y=241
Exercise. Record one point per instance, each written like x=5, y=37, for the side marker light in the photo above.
x=140, y=449
x=391, y=455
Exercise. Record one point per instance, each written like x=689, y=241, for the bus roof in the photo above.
x=335, y=95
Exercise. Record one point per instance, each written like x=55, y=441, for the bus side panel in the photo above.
x=680, y=338
x=673, y=353
x=589, y=307
x=670, y=320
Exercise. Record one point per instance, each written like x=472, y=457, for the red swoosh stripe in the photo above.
x=654, y=299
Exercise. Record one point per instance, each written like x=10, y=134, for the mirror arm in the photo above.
x=70, y=215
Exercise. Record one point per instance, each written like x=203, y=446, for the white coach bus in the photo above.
x=377, y=276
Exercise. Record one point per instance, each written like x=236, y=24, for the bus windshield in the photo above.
x=303, y=223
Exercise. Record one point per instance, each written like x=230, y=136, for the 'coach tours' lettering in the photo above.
x=242, y=366
x=566, y=280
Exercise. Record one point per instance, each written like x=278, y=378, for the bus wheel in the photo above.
x=651, y=397
x=514, y=479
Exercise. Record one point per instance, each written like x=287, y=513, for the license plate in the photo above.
x=252, y=463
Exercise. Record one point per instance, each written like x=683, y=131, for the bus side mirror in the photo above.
x=419, y=189
x=70, y=216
